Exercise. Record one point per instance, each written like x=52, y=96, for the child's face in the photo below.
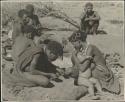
x=28, y=35
x=25, y=19
x=50, y=55
x=89, y=9
x=77, y=45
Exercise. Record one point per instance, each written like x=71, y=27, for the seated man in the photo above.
x=90, y=20
x=33, y=65
x=20, y=45
x=20, y=22
x=35, y=19
x=97, y=64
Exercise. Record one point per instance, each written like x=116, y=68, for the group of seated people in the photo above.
x=33, y=61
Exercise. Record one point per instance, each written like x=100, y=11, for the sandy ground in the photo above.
x=107, y=43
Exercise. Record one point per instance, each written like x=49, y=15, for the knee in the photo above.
x=45, y=82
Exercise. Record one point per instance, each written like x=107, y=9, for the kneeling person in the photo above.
x=90, y=20
x=34, y=65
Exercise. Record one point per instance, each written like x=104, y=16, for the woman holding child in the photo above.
x=89, y=66
x=34, y=67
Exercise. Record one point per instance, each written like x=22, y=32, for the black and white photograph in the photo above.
x=62, y=51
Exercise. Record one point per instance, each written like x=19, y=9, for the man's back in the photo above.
x=20, y=44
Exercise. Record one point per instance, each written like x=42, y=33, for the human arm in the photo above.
x=16, y=30
x=86, y=58
x=87, y=63
x=33, y=66
x=82, y=17
x=76, y=62
x=30, y=43
x=94, y=18
x=74, y=58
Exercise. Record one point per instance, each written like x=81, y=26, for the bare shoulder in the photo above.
x=35, y=58
x=92, y=49
x=90, y=46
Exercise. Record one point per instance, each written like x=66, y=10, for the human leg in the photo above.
x=87, y=83
x=95, y=27
x=97, y=84
x=37, y=79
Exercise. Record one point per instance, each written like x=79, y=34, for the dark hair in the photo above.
x=88, y=4
x=78, y=35
x=30, y=7
x=55, y=47
x=22, y=12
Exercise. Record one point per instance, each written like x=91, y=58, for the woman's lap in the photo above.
x=112, y=85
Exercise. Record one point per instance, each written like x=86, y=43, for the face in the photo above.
x=25, y=19
x=89, y=9
x=77, y=45
x=50, y=55
x=28, y=35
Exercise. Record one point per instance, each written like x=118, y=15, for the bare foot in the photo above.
x=101, y=93
x=92, y=97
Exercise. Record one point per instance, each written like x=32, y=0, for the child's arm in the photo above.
x=87, y=63
x=75, y=59
x=94, y=18
x=86, y=58
x=77, y=63
x=82, y=17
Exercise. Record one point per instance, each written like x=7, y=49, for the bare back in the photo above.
x=98, y=56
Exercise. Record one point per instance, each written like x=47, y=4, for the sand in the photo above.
x=108, y=43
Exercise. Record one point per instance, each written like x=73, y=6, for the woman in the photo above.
x=33, y=65
x=97, y=63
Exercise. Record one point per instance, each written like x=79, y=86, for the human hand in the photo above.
x=28, y=35
x=75, y=52
x=61, y=71
x=89, y=57
x=53, y=76
x=68, y=71
x=91, y=22
x=87, y=19
x=38, y=26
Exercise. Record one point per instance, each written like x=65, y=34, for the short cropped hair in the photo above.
x=55, y=47
x=22, y=12
x=88, y=4
x=78, y=35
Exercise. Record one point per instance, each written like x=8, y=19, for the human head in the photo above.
x=53, y=50
x=89, y=7
x=77, y=38
x=23, y=15
x=28, y=31
x=30, y=9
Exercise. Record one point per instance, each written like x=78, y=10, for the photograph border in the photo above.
x=66, y=1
